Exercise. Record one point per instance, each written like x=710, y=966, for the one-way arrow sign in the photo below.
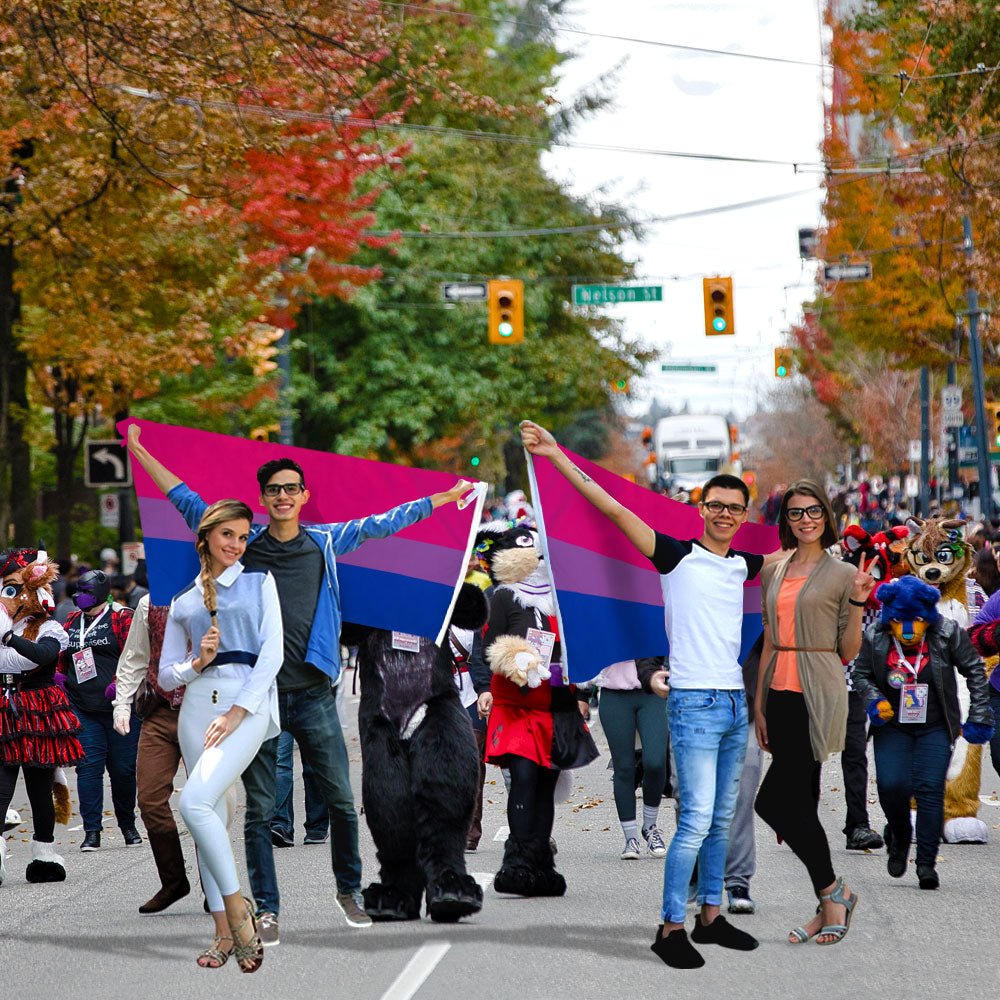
x=106, y=464
x=464, y=291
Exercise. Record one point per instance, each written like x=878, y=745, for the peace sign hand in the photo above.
x=864, y=582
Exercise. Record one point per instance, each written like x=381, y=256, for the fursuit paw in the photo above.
x=879, y=711
x=515, y=658
x=453, y=896
x=977, y=732
x=386, y=902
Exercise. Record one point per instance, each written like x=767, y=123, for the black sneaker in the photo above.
x=864, y=838
x=897, y=860
x=279, y=839
x=928, y=877
x=91, y=841
x=131, y=837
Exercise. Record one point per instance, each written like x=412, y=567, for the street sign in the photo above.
x=951, y=397
x=132, y=552
x=952, y=418
x=914, y=453
x=968, y=451
x=106, y=464
x=867, y=453
x=688, y=368
x=599, y=295
x=848, y=272
x=463, y=291
x=110, y=510
x=911, y=487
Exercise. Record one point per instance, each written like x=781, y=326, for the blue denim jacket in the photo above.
x=334, y=540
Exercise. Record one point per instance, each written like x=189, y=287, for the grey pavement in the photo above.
x=85, y=937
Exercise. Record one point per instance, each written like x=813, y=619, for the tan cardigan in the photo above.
x=821, y=613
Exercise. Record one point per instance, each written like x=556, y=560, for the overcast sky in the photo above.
x=667, y=99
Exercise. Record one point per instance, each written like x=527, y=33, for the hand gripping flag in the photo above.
x=609, y=600
x=407, y=582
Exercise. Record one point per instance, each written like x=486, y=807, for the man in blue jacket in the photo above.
x=303, y=563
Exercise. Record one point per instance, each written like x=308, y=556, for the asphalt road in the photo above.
x=85, y=937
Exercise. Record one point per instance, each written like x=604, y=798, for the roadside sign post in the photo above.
x=106, y=464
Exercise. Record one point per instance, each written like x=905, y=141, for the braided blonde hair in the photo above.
x=218, y=513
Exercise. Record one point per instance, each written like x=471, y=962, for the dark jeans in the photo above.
x=623, y=714
x=913, y=765
x=311, y=717
x=479, y=731
x=106, y=749
x=854, y=762
x=317, y=815
x=995, y=742
x=788, y=800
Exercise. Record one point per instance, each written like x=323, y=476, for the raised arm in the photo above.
x=540, y=442
x=165, y=480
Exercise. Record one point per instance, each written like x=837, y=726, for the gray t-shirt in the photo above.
x=297, y=568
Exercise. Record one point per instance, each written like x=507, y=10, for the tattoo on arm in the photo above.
x=583, y=475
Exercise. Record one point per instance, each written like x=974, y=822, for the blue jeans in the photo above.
x=311, y=718
x=708, y=734
x=317, y=815
x=911, y=764
x=106, y=750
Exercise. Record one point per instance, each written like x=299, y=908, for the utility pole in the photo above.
x=978, y=381
x=953, y=482
x=925, y=440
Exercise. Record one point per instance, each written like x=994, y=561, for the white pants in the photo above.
x=203, y=801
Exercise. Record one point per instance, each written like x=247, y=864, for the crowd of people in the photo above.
x=246, y=662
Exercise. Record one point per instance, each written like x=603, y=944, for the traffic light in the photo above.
x=264, y=433
x=506, y=309
x=474, y=461
x=992, y=424
x=718, y=293
x=620, y=385
x=782, y=362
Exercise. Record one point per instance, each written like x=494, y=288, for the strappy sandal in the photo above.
x=801, y=935
x=214, y=957
x=838, y=931
x=252, y=951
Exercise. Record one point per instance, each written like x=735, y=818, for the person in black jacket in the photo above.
x=906, y=674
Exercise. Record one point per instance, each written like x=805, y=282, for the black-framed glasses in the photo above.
x=275, y=489
x=814, y=512
x=717, y=507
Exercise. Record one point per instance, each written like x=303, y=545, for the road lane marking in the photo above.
x=502, y=834
x=73, y=829
x=483, y=879
x=416, y=971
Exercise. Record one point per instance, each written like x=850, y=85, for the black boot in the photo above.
x=452, y=896
x=548, y=882
x=517, y=875
x=169, y=858
x=388, y=902
x=897, y=853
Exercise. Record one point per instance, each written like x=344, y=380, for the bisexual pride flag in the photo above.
x=610, y=603
x=407, y=582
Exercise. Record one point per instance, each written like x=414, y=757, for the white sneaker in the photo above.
x=654, y=841
x=632, y=850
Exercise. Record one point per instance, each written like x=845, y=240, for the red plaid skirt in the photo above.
x=38, y=728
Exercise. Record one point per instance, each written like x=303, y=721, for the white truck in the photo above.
x=690, y=449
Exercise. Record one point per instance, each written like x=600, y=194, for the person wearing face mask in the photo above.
x=906, y=675
x=96, y=635
x=812, y=606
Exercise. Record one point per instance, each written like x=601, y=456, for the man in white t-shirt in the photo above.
x=702, y=584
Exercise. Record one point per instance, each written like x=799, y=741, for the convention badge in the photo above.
x=543, y=642
x=897, y=678
x=913, y=702
x=405, y=642
x=84, y=665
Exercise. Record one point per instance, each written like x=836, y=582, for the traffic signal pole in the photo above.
x=978, y=382
x=925, y=441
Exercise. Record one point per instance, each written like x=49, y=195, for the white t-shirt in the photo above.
x=703, y=611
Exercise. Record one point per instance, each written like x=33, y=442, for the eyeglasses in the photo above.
x=717, y=507
x=292, y=489
x=814, y=512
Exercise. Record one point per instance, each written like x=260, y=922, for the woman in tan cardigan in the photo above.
x=812, y=605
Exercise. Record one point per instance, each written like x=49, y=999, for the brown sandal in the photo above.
x=252, y=951
x=214, y=957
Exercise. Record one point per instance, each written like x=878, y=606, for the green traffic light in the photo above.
x=719, y=324
x=781, y=371
x=474, y=461
x=505, y=329
x=621, y=385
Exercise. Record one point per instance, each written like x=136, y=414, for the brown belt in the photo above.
x=802, y=649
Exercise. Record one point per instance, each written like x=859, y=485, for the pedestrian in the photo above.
x=702, y=581
x=906, y=673
x=137, y=692
x=317, y=821
x=38, y=732
x=127, y=591
x=303, y=561
x=96, y=633
x=985, y=634
x=629, y=708
x=812, y=606
x=232, y=618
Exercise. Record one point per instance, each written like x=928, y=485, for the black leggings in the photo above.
x=531, y=809
x=38, y=782
x=788, y=800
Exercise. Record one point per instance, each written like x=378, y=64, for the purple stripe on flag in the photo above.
x=401, y=556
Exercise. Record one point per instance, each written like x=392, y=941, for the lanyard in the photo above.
x=904, y=662
x=84, y=632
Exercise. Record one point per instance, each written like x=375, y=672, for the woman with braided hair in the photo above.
x=224, y=642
